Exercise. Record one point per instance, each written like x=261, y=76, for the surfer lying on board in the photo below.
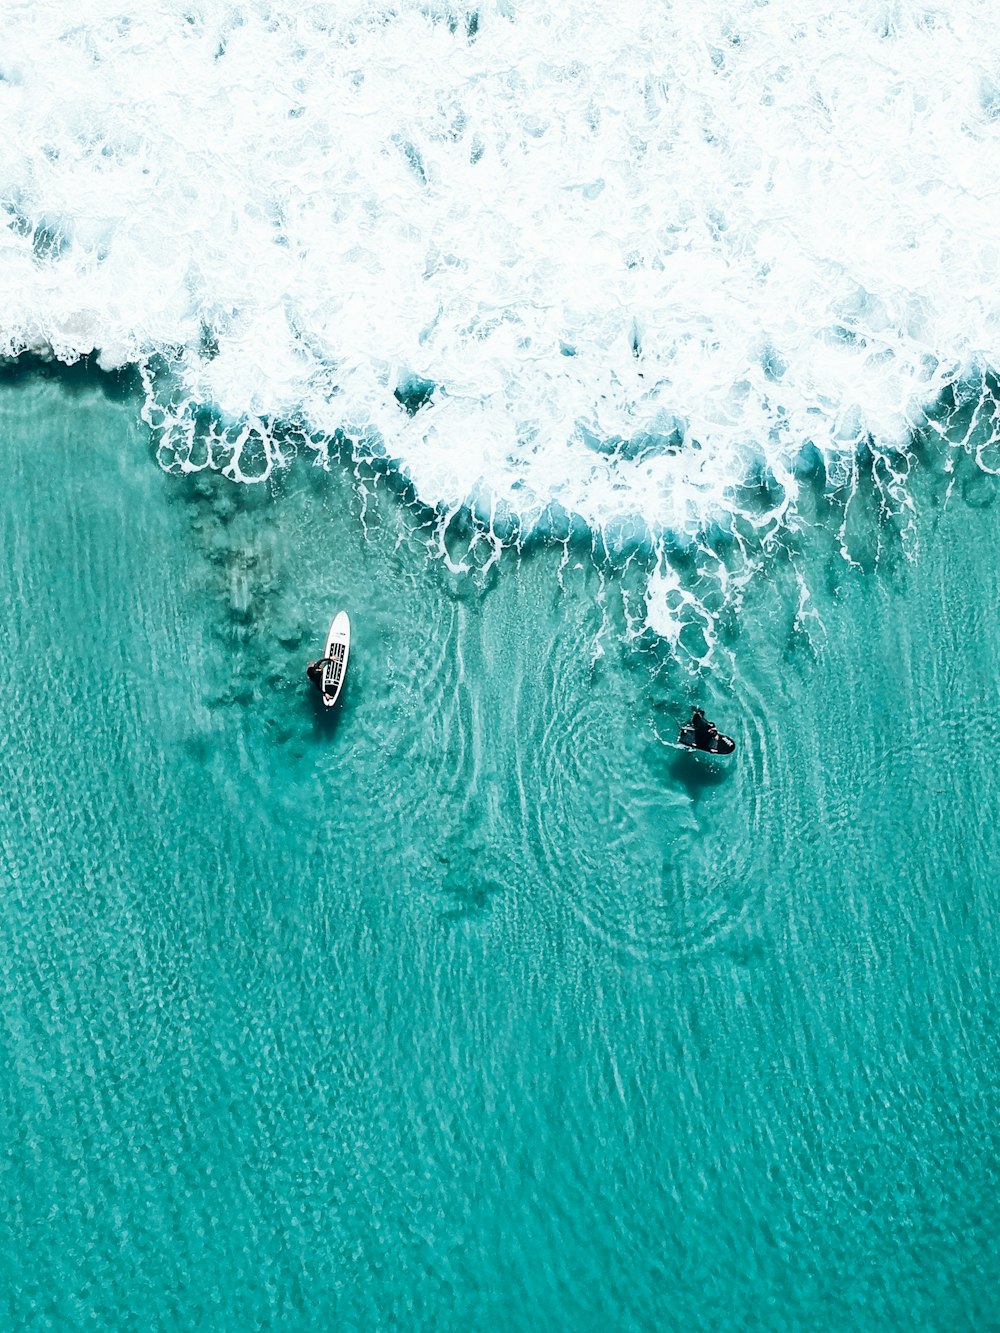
x=315, y=672
x=705, y=732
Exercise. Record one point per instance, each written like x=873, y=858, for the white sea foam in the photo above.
x=641, y=250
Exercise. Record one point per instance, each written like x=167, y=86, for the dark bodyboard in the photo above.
x=724, y=744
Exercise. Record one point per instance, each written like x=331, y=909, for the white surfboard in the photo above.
x=338, y=645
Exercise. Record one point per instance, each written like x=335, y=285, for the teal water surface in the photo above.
x=476, y=1005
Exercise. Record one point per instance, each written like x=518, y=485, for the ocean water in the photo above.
x=478, y=1003
x=601, y=363
x=641, y=258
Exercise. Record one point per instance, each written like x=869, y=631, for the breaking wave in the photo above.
x=602, y=267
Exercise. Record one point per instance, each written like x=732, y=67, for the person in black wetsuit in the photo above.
x=315, y=672
x=704, y=731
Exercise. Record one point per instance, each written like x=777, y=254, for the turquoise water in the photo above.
x=475, y=1005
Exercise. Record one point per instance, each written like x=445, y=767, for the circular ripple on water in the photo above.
x=658, y=852
x=432, y=723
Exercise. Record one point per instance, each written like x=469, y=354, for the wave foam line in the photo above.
x=614, y=262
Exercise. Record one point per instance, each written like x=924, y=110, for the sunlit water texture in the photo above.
x=475, y=1005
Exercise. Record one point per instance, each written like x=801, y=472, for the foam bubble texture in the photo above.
x=640, y=250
